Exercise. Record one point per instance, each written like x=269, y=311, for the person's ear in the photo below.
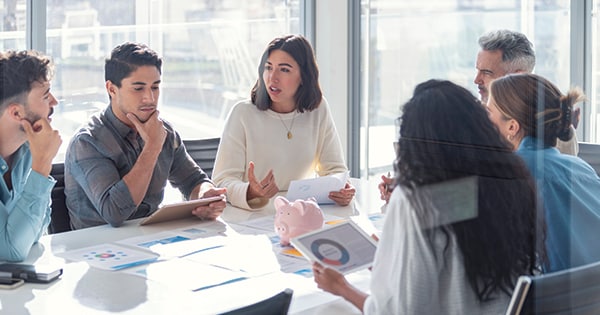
x=15, y=111
x=513, y=127
x=111, y=88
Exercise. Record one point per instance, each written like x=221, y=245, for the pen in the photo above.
x=388, y=187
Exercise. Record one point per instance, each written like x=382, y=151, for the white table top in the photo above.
x=88, y=290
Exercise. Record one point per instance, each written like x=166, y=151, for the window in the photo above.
x=407, y=42
x=12, y=30
x=594, y=93
x=210, y=50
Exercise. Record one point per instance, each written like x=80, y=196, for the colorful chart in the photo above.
x=110, y=257
x=330, y=252
x=104, y=255
x=166, y=240
x=343, y=246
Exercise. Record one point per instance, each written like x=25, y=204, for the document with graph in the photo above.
x=317, y=188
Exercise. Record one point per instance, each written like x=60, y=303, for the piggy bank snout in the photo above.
x=281, y=227
x=297, y=218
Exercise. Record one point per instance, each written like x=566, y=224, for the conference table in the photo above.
x=85, y=289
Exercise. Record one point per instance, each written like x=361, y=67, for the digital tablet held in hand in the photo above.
x=344, y=247
x=179, y=210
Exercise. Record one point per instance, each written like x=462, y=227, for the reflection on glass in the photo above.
x=409, y=42
x=12, y=29
x=594, y=99
x=210, y=53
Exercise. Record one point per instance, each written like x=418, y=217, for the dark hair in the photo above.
x=446, y=134
x=517, y=50
x=309, y=95
x=126, y=58
x=18, y=71
x=537, y=105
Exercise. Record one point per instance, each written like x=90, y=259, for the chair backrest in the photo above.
x=571, y=291
x=204, y=152
x=60, y=220
x=278, y=304
x=590, y=152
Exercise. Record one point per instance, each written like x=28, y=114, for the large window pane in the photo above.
x=409, y=42
x=594, y=96
x=12, y=29
x=210, y=49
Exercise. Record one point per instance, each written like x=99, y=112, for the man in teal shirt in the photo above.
x=27, y=146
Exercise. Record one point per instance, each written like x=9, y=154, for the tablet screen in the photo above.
x=344, y=247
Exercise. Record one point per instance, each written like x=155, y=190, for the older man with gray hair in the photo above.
x=504, y=52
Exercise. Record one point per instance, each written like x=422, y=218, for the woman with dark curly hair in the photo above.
x=461, y=222
x=532, y=114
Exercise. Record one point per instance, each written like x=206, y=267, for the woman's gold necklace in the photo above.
x=289, y=130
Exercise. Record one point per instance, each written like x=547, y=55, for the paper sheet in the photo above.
x=110, y=256
x=317, y=188
x=190, y=275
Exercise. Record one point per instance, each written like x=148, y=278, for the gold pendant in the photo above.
x=289, y=135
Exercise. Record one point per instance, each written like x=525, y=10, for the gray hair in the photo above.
x=517, y=50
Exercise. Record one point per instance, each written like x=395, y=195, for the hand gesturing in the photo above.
x=266, y=188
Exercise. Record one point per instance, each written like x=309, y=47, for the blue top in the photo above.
x=570, y=190
x=24, y=210
x=105, y=150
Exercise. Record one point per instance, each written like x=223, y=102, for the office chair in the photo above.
x=204, y=152
x=278, y=304
x=60, y=220
x=571, y=291
x=590, y=152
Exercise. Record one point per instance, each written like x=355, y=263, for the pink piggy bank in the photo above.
x=296, y=218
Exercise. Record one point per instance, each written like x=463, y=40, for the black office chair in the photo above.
x=590, y=152
x=60, y=220
x=572, y=291
x=278, y=304
x=204, y=152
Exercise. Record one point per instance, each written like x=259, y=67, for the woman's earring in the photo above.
x=509, y=137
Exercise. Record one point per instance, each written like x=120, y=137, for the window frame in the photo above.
x=350, y=117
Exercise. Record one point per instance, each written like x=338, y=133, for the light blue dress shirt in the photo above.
x=24, y=209
x=570, y=191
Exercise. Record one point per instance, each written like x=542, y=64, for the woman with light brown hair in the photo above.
x=532, y=114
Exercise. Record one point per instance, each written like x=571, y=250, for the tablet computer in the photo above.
x=178, y=210
x=344, y=246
